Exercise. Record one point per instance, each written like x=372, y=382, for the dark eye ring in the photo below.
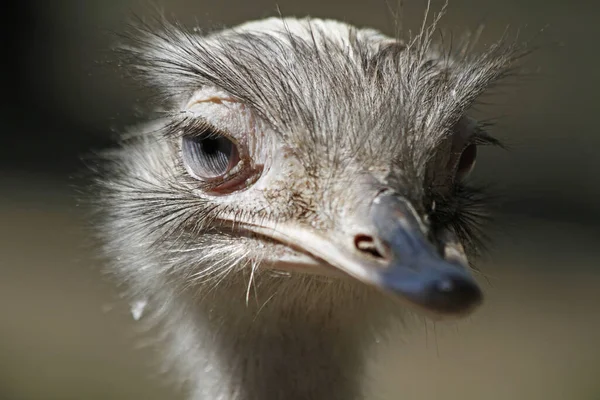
x=466, y=162
x=209, y=155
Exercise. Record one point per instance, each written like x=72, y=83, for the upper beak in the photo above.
x=415, y=269
x=406, y=264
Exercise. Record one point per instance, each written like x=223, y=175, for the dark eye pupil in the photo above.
x=216, y=147
x=208, y=155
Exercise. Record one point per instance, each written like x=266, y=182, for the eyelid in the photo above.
x=219, y=109
x=212, y=99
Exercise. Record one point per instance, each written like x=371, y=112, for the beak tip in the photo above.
x=443, y=294
x=456, y=294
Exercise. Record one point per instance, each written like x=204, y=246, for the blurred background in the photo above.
x=64, y=333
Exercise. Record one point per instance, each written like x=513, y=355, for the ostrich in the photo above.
x=302, y=184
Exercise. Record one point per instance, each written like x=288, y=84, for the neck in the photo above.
x=294, y=338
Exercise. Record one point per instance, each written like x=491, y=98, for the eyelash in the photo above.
x=189, y=127
x=467, y=213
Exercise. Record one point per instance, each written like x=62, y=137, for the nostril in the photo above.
x=366, y=244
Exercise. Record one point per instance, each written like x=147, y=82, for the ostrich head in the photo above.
x=305, y=163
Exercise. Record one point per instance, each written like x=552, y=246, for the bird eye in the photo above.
x=209, y=155
x=466, y=161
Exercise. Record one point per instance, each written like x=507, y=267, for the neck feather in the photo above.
x=298, y=337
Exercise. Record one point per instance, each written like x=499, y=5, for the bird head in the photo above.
x=290, y=146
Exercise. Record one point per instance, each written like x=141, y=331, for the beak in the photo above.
x=414, y=268
x=404, y=263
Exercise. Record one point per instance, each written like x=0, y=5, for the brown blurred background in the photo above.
x=64, y=333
